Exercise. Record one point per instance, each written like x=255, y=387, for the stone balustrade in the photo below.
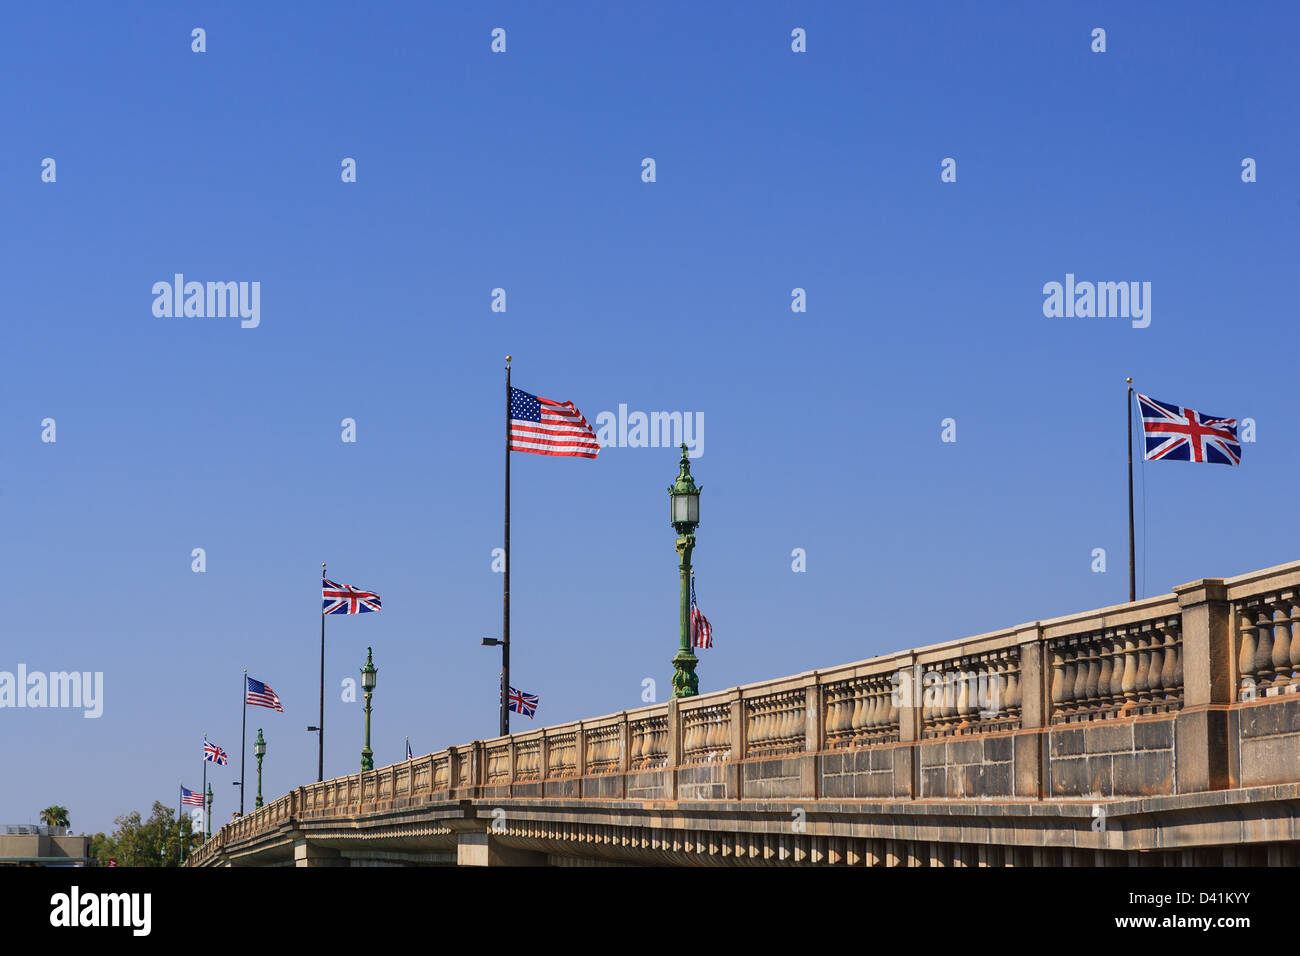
x=1183, y=693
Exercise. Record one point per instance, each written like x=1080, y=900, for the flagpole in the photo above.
x=180, y=817
x=505, y=599
x=243, y=740
x=320, y=727
x=1132, y=574
x=205, y=783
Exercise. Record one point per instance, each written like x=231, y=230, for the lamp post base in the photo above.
x=685, y=682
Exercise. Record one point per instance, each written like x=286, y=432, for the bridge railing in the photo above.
x=993, y=715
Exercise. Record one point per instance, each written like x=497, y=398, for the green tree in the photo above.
x=55, y=816
x=161, y=840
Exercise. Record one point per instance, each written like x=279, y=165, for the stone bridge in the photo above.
x=1160, y=732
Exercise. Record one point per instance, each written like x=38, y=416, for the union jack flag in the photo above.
x=261, y=695
x=1174, y=433
x=345, y=599
x=522, y=703
x=701, y=631
x=213, y=752
x=190, y=798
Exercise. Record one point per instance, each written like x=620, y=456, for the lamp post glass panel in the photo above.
x=259, y=751
x=368, y=680
x=684, y=515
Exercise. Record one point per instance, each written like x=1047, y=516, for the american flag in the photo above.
x=191, y=799
x=214, y=753
x=701, y=631
x=544, y=427
x=345, y=599
x=1174, y=433
x=261, y=695
x=522, y=703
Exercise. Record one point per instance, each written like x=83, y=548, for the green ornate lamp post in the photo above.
x=207, y=817
x=684, y=515
x=259, y=751
x=368, y=681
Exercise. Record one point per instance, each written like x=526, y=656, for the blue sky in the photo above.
x=774, y=170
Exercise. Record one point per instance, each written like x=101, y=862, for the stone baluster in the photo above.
x=1058, y=679
x=1013, y=687
x=1089, y=675
x=691, y=738
x=1246, y=657
x=949, y=712
x=1155, y=680
x=894, y=695
x=1293, y=604
x=961, y=691
x=1129, y=684
x=993, y=695
x=871, y=708
x=1281, y=657
x=1105, y=670
x=1114, y=642
x=1264, y=647
x=1168, y=670
x=840, y=718
x=1075, y=676
x=858, y=720
x=1142, y=680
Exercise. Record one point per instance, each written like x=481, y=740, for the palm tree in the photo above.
x=55, y=816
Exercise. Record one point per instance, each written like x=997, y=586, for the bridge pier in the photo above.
x=483, y=849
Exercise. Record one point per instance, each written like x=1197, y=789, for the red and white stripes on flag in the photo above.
x=701, y=630
x=543, y=427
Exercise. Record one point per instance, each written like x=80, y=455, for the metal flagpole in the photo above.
x=180, y=818
x=505, y=601
x=205, y=783
x=243, y=742
x=1132, y=574
x=320, y=727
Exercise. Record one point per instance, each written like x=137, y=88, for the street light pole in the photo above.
x=207, y=817
x=684, y=515
x=259, y=751
x=368, y=680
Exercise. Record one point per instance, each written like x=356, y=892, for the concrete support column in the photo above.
x=308, y=854
x=810, y=772
x=674, y=747
x=1201, y=727
x=478, y=848
x=907, y=758
x=735, y=779
x=1035, y=714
